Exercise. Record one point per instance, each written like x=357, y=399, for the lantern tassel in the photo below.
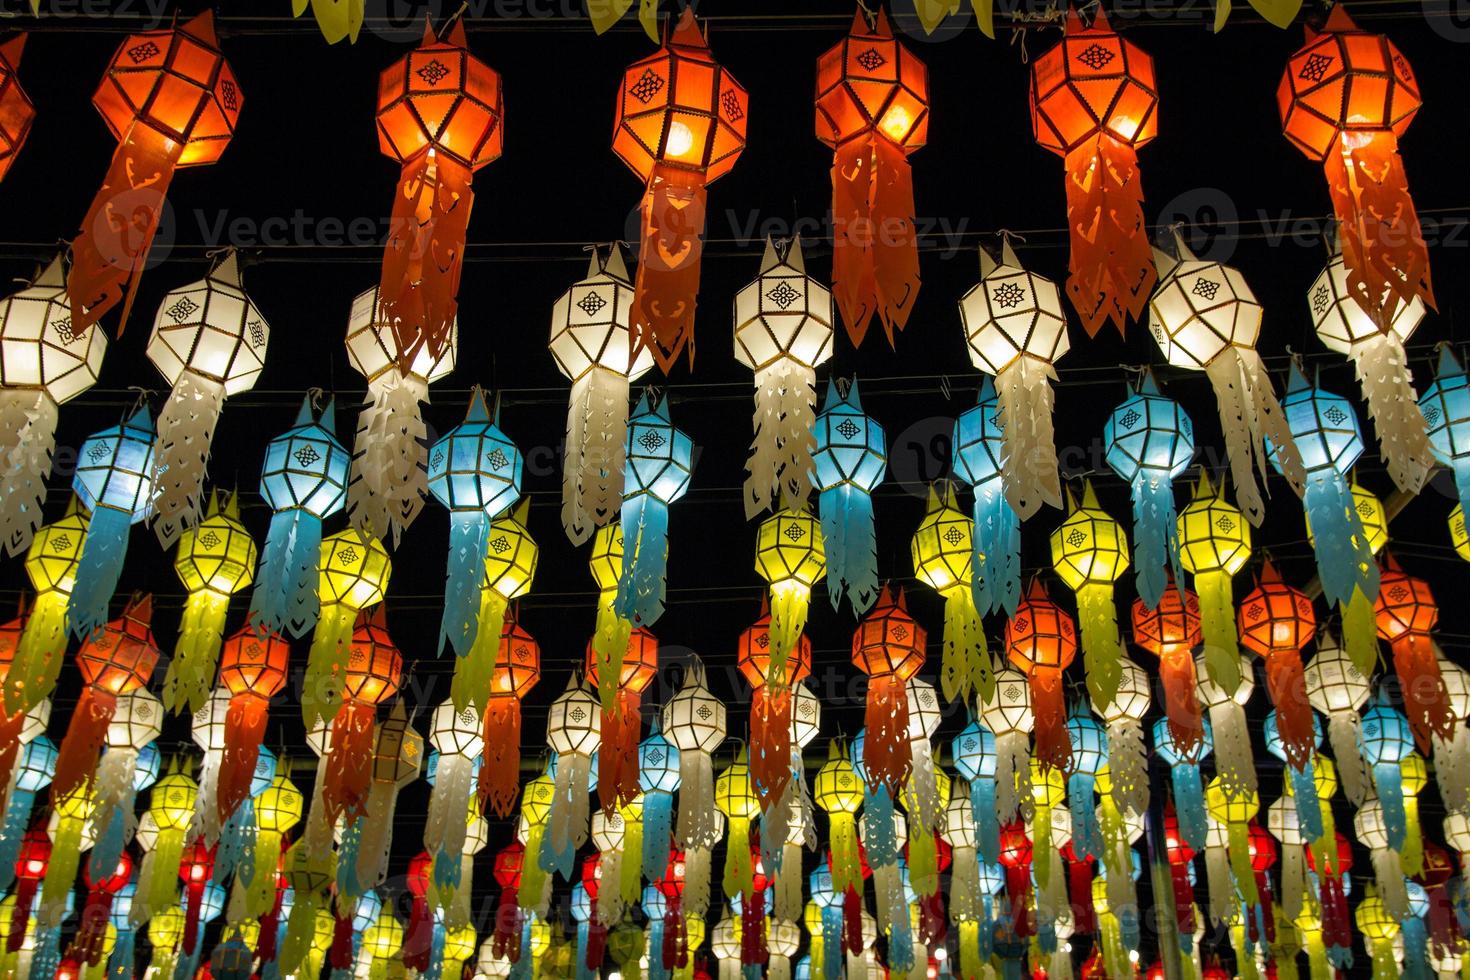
x=1181, y=705
x=592, y=474
x=469, y=537
x=1426, y=702
x=790, y=602
x=1128, y=765
x=886, y=759
x=285, y=598
x=1342, y=733
x=1217, y=624
x=696, y=824
x=181, y=453
x=672, y=216
x=61, y=871
x=348, y=771
x=1102, y=650
x=965, y=665
x=1360, y=632
x=1053, y=746
x=617, y=760
x=1031, y=476
x=326, y=664
x=850, y=537
x=1294, y=722
x=1012, y=773
x=473, y=672
x=1250, y=415
x=568, y=817
x=27, y=442
x=780, y=463
x=1233, y=761
x=38, y=654
x=245, y=724
x=658, y=832
x=76, y=761
x=196, y=656
x=447, y=821
x=1345, y=562
x=1112, y=270
x=1155, y=535
x=1403, y=441
x=98, y=570
x=390, y=456
x=875, y=259
x=114, y=797
x=997, y=542
x=987, y=826
x=641, y=586
x=500, y=767
x=770, y=745
x=1304, y=793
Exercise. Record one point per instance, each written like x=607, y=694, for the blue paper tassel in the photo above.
x=658, y=822
x=851, y=540
x=584, y=934
x=1308, y=806
x=987, y=927
x=347, y=884
x=900, y=942
x=234, y=840
x=1189, y=804
x=997, y=579
x=123, y=961
x=833, y=961
x=1389, y=779
x=521, y=968
x=12, y=832
x=1155, y=535
x=285, y=600
x=109, y=847
x=656, y=968
x=987, y=826
x=447, y=870
x=641, y=587
x=1416, y=948
x=469, y=536
x=1086, y=839
x=1344, y=559
x=880, y=839
x=98, y=570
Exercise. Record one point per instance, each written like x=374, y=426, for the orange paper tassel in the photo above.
x=76, y=763
x=1053, y=745
x=887, y=758
x=1288, y=688
x=1181, y=705
x=349, y=761
x=244, y=731
x=1426, y=702
x=10, y=729
x=672, y=216
x=770, y=742
x=875, y=258
x=500, y=769
x=1112, y=268
x=617, y=759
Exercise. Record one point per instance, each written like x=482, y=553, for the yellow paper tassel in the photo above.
x=966, y=665
x=923, y=860
x=1245, y=962
x=66, y=848
x=196, y=656
x=1102, y=652
x=1360, y=634
x=473, y=671
x=739, y=878
x=790, y=602
x=631, y=883
x=1415, y=778
x=1217, y=623
x=39, y=653
x=162, y=886
x=847, y=869
x=1240, y=861
x=326, y=664
x=261, y=893
x=533, y=879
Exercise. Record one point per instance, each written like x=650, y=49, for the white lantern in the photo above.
x=1457, y=836
x=1123, y=716
x=574, y=733
x=1008, y=715
x=137, y=721
x=1371, y=830
x=1234, y=764
x=456, y=734
x=208, y=732
x=964, y=873
x=1339, y=690
x=783, y=940
x=806, y=715
x=208, y=342
x=1283, y=824
x=1452, y=756
x=694, y=720
x=398, y=757
x=924, y=718
x=609, y=832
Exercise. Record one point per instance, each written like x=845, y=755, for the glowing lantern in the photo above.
x=1339, y=690
x=215, y=560
x=1371, y=831
x=509, y=568
x=1089, y=554
x=371, y=676
x=253, y=670
x=440, y=115
x=771, y=720
x=1123, y=739
x=850, y=457
x=659, y=460
x=694, y=720
x=1094, y=103
x=1446, y=407
x=609, y=837
x=839, y=793
x=942, y=549
x=171, y=805
x=43, y=365
x=1381, y=931
x=996, y=553
x=791, y=557
x=1214, y=544
x=974, y=759
x=1009, y=716
x=16, y=111
x=136, y=722
x=1301, y=782
x=1345, y=98
x=303, y=480
x=617, y=775
x=1385, y=741
x=457, y=737
x=353, y=572
x=171, y=100
x=889, y=647
x=1041, y=641
x=658, y=779
x=1276, y=621
x=574, y=733
x=1406, y=612
x=1170, y=630
x=309, y=875
x=681, y=122
x=35, y=763
x=397, y=759
x=30, y=869
x=1234, y=764
x=114, y=480
x=51, y=565
x=736, y=799
x=517, y=670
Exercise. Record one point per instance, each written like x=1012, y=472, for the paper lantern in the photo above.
x=16, y=111
x=371, y=676
x=51, y=565
x=609, y=837
x=658, y=780
x=1234, y=765
x=43, y=365
x=1123, y=715
x=791, y=557
x=1446, y=407
x=839, y=793
x=440, y=116
x=1170, y=631
x=1094, y=102
x=253, y=670
x=574, y=733
x=1089, y=553
x=996, y=553
x=942, y=550
x=171, y=100
x=1214, y=544
x=1339, y=690
x=457, y=736
x=136, y=722
x=353, y=572
x=31, y=864
x=1406, y=612
x=694, y=720
x=1345, y=98
x=882, y=831
x=1369, y=827
x=1385, y=741
x=171, y=805
x=509, y=564
x=114, y=480
x=923, y=783
x=617, y=776
x=889, y=648
x=771, y=715
x=923, y=852
x=1041, y=641
x=35, y=763
x=1450, y=756
x=209, y=342
x=1300, y=783
x=850, y=457
x=517, y=671
x=87, y=945
x=680, y=125
x=735, y=798
x=1380, y=931
x=397, y=759
x=1008, y=714
x=1276, y=621
x=974, y=753
x=659, y=461
x=309, y=875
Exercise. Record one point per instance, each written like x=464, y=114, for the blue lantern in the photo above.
x=658, y=778
x=1189, y=791
x=1416, y=934
x=1386, y=740
x=655, y=909
x=304, y=480
x=992, y=883
x=974, y=759
x=1446, y=408
x=475, y=472
x=33, y=771
x=1089, y=753
x=660, y=458
x=850, y=458
x=1148, y=441
x=1303, y=781
x=114, y=480
x=997, y=538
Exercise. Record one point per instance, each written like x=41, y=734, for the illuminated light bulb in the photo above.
x=896, y=122
x=680, y=141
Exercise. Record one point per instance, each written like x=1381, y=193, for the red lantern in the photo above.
x=30, y=869
x=1263, y=859
x=195, y=871
x=439, y=115
x=1345, y=99
x=671, y=887
x=117, y=659
x=889, y=647
x=1434, y=877
x=374, y=668
x=87, y=945
x=16, y=111
x=1406, y=612
x=1337, y=925
x=770, y=706
x=418, y=938
x=1094, y=103
x=1015, y=857
x=252, y=667
x=1275, y=621
x=509, y=863
x=680, y=125
x=1171, y=631
x=873, y=111
x=517, y=669
x=171, y=100
x=622, y=723
x=596, y=931
x=1179, y=855
x=1041, y=641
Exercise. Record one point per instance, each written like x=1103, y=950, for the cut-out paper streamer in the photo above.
x=1276, y=621
x=114, y=480
x=783, y=332
x=16, y=111
x=136, y=722
x=517, y=670
x=889, y=648
x=337, y=19
x=850, y=457
x=252, y=669
x=1089, y=553
x=1009, y=717
x=1016, y=330
x=440, y=116
x=591, y=344
x=171, y=100
x=621, y=697
x=1123, y=715
x=44, y=363
x=1214, y=544
x=1339, y=690
x=574, y=733
x=209, y=342
x=1446, y=407
x=943, y=553
x=457, y=737
x=790, y=556
x=398, y=757
x=771, y=703
x=680, y=125
x=873, y=111
x=352, y=575
x=1406, y=613
x=1094, y=102
x=1345, y=98
x=1204, y=317
x=51, y=565
x=373, y=672
x=1149, y=441
x=978, y=455
x=1227, y=734
x=304, y=481
x=1170, y=631
x=659, y=461
x=1041, y=641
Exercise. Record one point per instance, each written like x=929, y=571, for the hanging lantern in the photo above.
x=517, y=670
x=978, y=446
x=440, y=116
x=16, y=111
x=43, y=365
x=771, y=716
x=881, y=829
x=136, y=722
x=850, y=457
x=30, y=869
x=658, y=779
x=51, y=565
x=1276, y=621
x=1214, y=544
x=873, y=111
x=1149, y=441
x=208, y=342
x=1234, y=764
x=171, y=805
x=617, y=775
x=309, y=875
x=1170, y=630
x=574, y=733
x=1370, y=828
x=371, y=676
x=1339, y=690
x=659, y=461
x=791, y=557
x=1446, y=407
x=456, y=735
x=1381, y=931
x=353, y=572
x=889, y=648
x=1123, y=715
x=783, y=332
x=1089, y=553
x=1385, y=741
x=942, y=550
x=1008, y=714
x=1406, y=613
x=1345, y=98
x=509, y=569
x=114, y=480
x=735, y=798
x=694, y=720
x=839, y=792
x=171, y=100
x=681, y=122
x=1094, y=103
x=974, y=753
x=1041, y=641
x=253, y=670
x=397, y=759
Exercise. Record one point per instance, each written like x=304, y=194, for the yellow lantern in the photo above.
x=943, y=553
x=51, y=564
x=215, y=560
x=171, y=805
x=354, y=569
x=839, y=792
x=278, y=809
x=1379, y=930
x=789, y=555
x=459, y=948
x=1090, y=553
x=535, y=811
x=511, y=556
x=610, y=641
x=381, y=943
x=165, y=933
x=735, y=798
x=1415, y=778
x=1214, y=544
x=1459, y=537
x=1235, y=811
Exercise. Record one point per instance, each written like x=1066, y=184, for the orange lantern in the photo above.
x=117, y=659
x=172, y=101
x=1406, y=612
x=374, y=668
x=1041, y=641
x=252, y=667
x=1275, y=622
x=873, y=111
x=889, y=647
x=680, y=125
x=517, y=669
x=1094, y=103
x=16, y=111
x=617, y=759
x=770, y=706
x=440, y=113
x=1171, y=631
x=1345, y=99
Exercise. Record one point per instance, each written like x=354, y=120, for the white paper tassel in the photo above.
x=1028, y=442
x=377, y=834
x=789, y=881
x=592, y=473
x=114, y=790
x=1220, y=884
x=610, y=895
x=568, y=817
x=1233, y=761
x=1128, y=765
x=964, y=879
x=1249, y=414
x=206, y=811
x=926, y=792
x=696, y=819
x=27, y=441
x=457, y=914
x=696, y=880
x=1390, y=875
x=1342, y=732
x=389, y=457
x=316, y=833
x=1293, y=880
x=181, y=453
x=888, y=889
x=780, y=462
x=779, y=969
x=1012, y=774
x=1452, y=771
x=449, y=805
x=1388, y=388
